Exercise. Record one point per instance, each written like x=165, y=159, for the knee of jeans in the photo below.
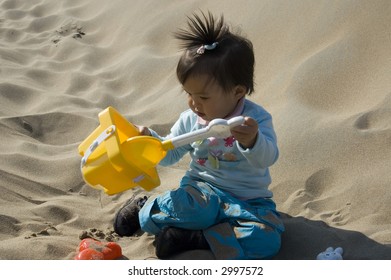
x=259, y=241
x=273, y=246
x=189, y=201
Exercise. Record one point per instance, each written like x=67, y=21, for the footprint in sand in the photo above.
x=377, y=119
x=312, y=200
x=108, y=235
x=337, y=217
x=53, y=213
x=45, y=128
x=314, y=186
x=68, y=30
x=319, y=182
x=9, y=225
x=47, y=231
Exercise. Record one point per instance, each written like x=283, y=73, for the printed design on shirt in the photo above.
x=229, y=141
x=214, y=158
x=198, y=143
x=201, y=161
x=229, y=157
x=213, y=141
x=210, y=152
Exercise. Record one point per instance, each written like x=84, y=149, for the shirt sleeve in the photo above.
x=173, y=156
x=265, y=152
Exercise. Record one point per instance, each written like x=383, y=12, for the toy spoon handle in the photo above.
x=216, y=128
x=235, y=121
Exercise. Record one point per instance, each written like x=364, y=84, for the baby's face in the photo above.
x=208, y=99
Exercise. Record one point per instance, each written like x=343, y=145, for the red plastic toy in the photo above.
x=92, y=249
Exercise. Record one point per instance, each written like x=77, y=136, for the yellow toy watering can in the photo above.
x=115, y=157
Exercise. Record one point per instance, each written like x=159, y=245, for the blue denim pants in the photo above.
x=233, y=228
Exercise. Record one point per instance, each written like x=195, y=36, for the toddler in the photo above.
x=223, y=203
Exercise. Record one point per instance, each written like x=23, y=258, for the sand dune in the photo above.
x=323, y=69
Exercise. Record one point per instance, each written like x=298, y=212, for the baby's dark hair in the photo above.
x=210, y=48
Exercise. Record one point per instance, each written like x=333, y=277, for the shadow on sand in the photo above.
x=297, y=245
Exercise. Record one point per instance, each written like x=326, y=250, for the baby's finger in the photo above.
x=143, y=130
x=249, y=126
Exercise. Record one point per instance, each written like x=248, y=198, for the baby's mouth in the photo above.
x=202, y=115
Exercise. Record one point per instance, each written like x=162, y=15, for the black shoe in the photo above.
x=126, y=221
x=171, y=241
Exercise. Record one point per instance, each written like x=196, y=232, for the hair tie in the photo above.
x=210, y=47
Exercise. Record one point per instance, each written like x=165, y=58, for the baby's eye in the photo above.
x=204, y=98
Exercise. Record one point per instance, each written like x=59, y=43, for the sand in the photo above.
x=323, y=70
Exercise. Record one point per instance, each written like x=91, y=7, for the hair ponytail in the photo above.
x=211, y=49
x=202, y=31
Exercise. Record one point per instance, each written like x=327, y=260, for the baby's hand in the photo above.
x=143, y=130
x=246, y=134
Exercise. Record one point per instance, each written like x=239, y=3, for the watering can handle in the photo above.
x=217, y=128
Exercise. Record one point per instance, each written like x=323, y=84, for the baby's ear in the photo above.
x=240, y=91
